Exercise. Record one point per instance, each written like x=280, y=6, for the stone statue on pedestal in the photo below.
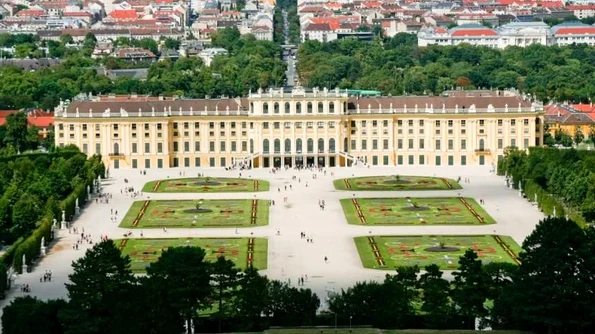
x=77, y=209
x=63, y=222
x=25, y=267
x=42, y=246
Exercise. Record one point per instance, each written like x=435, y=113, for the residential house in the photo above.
x=135, y=55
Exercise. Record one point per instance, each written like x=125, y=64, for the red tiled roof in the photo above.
x=587, y=108
x=77, y=14
x=576, y=31
x=41, y=122
x=37, y=118
x=581, y=7
x=371, y=4
x=474, y=32
x=318, y=27
x=31, y=12
x=123, y=14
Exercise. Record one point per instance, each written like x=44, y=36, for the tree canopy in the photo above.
x=397, y=65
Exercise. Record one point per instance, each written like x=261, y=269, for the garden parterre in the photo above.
x=415, y=211
x=208, y=213
x=396, y=182
x=390, y=252
x=206, y=185
x=242, y=251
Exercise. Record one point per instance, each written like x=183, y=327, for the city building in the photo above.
x=570, y=118
x=300, y=127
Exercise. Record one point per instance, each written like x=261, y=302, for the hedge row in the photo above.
x=547, y=202
x=69, y=203
x=31, y=247
x=61, y=154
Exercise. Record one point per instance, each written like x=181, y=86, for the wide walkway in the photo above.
x=290, y=256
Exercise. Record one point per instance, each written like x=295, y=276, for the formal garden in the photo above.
x=391, y=252
x=208, y=213
x=415, y=211
x=206, y=185
x=244, y=252
x=396, y=182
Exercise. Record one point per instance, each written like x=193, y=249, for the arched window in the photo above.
x=265, y=108
x=320, y=107
x=309, y=107
x=345, y=145
x=116, y=149
x=298, y=146
x=331, y=145
x=310, y=145
x=331, y=107
x=265, y=146
x=277, y=146
x=251, y=145
x=287, y=108
x=320, y=145
x=287, y=145
x=481, y=145
x=298, y=108
x=276, y=107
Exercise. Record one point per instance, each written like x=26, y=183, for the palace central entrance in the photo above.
x=278, y=161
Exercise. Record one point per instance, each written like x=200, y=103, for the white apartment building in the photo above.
x=521, y=34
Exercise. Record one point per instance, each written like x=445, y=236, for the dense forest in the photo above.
x=105, y=297
x=396, y=66
x=561, y=178
x=251, y=64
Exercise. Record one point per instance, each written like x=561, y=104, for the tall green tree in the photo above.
x=470, y=286
x=186, y=276
x=252, y=300
x=30, y=315
x=553, y=289
x=436, y=299
x=16, y=131
x=579, y=136
x=225, y=282
x=98, y=282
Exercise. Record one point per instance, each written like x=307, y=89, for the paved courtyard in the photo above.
x=290, y=256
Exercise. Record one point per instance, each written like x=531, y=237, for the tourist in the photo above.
x=325, y=259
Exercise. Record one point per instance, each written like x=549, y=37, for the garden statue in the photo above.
x=63, y=222
x=554, y=213
x=42, y=247
x=24, y=264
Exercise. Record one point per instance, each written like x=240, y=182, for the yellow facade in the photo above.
x=299, y=127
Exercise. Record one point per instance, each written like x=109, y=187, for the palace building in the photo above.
x=321, y=127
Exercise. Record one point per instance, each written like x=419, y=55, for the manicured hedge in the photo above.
x=31, y=247
x=9, y=253
x=69, y=203
x=62, y=154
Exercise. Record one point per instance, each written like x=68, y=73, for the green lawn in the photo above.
x=396, y=251
x=144, y=251
x=429, y=211
x=206, y=185
x=179, y=214
x=390, y=182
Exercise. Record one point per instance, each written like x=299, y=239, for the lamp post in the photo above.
x=350, y=317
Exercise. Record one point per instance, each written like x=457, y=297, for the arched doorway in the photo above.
x=320, y=145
